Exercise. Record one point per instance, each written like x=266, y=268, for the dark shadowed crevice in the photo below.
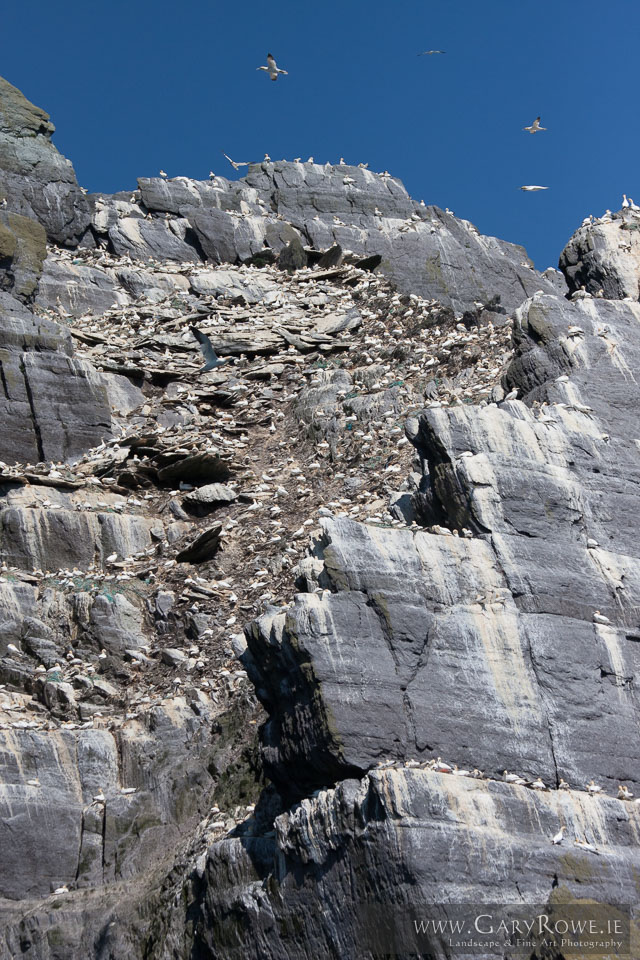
x=34, y=418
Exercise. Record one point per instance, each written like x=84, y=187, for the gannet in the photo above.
x=209, y=354
x=600, y=618
x=533, y=188
x=511, y=777
x=163, y=175
x=512, y=395
x=535, y=126
x=634, y=206
x=62, y=889
x=563, y=785
x=558, y=837
x=593, y=788
x=234, y=164
x=441, y=767
x=625, y=202
x=267, y=158
x=538, y=784
x=624, y=793
x=272, y=68
x=428, y=53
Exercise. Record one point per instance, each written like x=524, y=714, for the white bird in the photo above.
x=625, y=202
x=634, y=206
x=538, y=784
x=429, y=53
x=600, y=618
x=112, y=557
x=267, y=158
x=272, y=68
x=441, y=767
x=235, y=164
x=511, y=777
x=99, y=797
x=559, y=836
x=532, y=188
x=624, y=793
x=512, y=395
x=212, y=359
x=63, y=889
x=593, y=788
x=163, y=175
x=535, y=126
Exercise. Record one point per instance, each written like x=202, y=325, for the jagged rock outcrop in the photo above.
x=469, y=599
x=604, y=255
x=512, y=648
x=423, y=249
x=37, y=181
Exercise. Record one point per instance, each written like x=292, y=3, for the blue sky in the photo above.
x=137, y=86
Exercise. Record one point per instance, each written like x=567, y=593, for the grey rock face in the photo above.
x=422, y=249
x=512, y=648
x=605, y=255
x=53, y=406
x=36, y=180
x=22, y=251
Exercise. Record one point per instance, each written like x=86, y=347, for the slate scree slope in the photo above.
x=485, y=619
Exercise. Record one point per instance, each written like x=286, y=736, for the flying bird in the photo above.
x=211, y=357
x=234, y=164
x=428, y=53
x=535, y=126
x=533, y=188
x=272, y=67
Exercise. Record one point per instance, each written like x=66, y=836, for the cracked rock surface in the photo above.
x=351, y=618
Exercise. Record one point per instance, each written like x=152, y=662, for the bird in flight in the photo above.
x=272, y=68
x=211, y=357
x=428, y=53
x=533, y=188
x=535, y=126
x=234, y=164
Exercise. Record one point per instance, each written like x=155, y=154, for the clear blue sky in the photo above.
x=137, y=86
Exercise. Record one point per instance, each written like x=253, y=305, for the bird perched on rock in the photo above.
x=593, y=788
x=272, y=67
x=600, y=618
x=559, y=835
x=624, y=793
x=535, y=126
x=211, y=357
x=163, y=175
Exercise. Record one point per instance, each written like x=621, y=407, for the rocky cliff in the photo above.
x=344, y=628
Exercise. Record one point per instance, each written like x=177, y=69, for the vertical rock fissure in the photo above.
x=34, y=419
x=3, y=379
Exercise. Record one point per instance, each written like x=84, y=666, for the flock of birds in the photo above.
x=275, y=71
x=440, y=766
